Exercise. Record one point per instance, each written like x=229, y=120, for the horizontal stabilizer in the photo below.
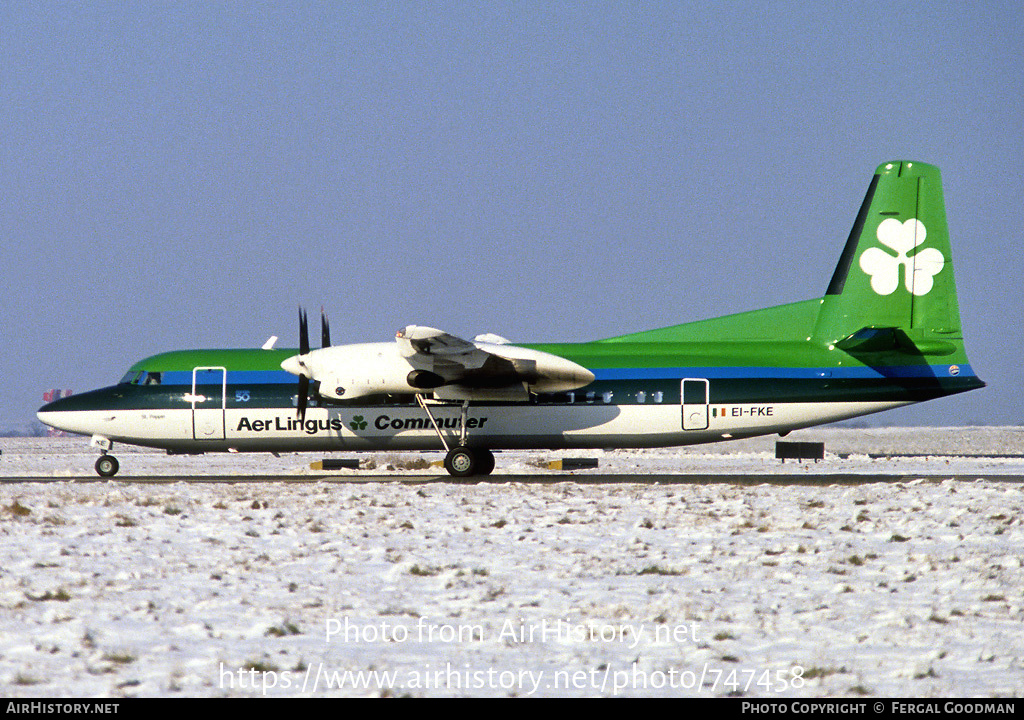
x=871, y=340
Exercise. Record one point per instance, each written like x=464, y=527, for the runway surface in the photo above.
x=852, y=457
x=579, y=479
x=891, y=568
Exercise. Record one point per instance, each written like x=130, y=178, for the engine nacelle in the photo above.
x=353, y=371
x=542, y=372
x=424, y=380
x=425, y=359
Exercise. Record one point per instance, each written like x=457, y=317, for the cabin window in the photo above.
x=641, y=397
x=607, y=397
x=659, y=396
x=568, y=398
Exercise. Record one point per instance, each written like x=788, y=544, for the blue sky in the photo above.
x=187, y=174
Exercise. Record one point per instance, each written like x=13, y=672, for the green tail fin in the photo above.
x=896, y=270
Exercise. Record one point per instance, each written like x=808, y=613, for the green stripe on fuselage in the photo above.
x=242, y=359
x=603, y=355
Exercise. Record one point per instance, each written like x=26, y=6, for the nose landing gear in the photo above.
x=106, y=465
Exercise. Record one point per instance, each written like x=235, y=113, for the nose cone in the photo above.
x=73, y=422
x=55, y=413
x=48, y=417
x=81, y=413
x=295, y=366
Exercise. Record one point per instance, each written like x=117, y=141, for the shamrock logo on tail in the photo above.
x=919, y=271
x=358, y=423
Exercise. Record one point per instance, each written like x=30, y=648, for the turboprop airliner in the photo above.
x=885, y=334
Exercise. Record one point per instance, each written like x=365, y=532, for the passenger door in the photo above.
x=695, y=404
x=209, y=402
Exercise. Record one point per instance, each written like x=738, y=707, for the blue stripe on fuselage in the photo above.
x=235, y=377
x=280, y=377
x=900, y=371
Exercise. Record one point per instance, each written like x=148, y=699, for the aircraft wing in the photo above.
x=482, y=365
x=417, y=340
x=457, y=360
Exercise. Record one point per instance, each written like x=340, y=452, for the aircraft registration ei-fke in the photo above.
x=885, y=334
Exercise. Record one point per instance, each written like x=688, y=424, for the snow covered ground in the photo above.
x=361, y=585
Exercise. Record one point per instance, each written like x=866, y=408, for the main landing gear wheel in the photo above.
x=486, y=459
x=462, y=461
x=107, y=466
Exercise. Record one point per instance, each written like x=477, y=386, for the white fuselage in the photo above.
x=583, y=425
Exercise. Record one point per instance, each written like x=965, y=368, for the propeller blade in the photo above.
x=325, y=330
x=303, y=397
x=303, y=333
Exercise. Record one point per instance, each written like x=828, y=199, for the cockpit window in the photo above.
x=141, y=377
